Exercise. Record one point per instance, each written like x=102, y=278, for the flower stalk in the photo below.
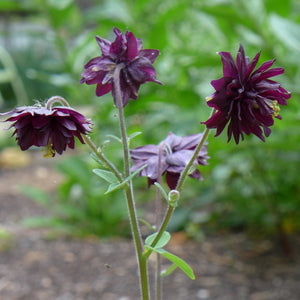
x=55, y=99
x=142, y=262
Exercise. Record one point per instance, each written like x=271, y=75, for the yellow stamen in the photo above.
x=49, y=151
x=276, y=109
x=95, y=69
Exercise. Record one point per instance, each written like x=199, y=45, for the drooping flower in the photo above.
x=246, y=99
x=137, y=66
x=176, y=152
x=53, y=128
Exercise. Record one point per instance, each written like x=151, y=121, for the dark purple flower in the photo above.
x=176, y=152
x=53, y=128
x=137, y=66
x=246, y=99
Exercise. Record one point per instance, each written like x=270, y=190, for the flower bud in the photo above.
x=173, y=197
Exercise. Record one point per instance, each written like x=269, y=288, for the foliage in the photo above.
x=245, y=188
x=76, y=209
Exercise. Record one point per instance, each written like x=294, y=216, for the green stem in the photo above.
x=187, y=168
x=101, y=156
x=142, y=262
x=162, y=228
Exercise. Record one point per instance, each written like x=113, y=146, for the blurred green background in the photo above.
x=254, y=186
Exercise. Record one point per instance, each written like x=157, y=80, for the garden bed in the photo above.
x=34, y=265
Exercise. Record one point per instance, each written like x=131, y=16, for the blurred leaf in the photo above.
x=106, y=175
x=286, y=30
x=59, y=4
x=39, y=196
x=282, y=8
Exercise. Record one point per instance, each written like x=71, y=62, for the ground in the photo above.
x=36, y=267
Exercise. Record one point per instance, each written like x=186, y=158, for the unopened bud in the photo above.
x=173, y=197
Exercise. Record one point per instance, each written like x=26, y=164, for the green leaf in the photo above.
x=163, y=192
x=169, y=270
x=37, y=195
x=106, y=175
x=116, y=185
x=59, y=4
x=176, y=260
x=286, y=30
x=116, y=138
x=132, y=136
x=164, y=239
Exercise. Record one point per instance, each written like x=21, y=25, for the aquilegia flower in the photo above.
x=246, y=99
x=176, y=152
x=137, y=66
x=53, y=128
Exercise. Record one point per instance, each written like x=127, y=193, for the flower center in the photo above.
x=49, y=151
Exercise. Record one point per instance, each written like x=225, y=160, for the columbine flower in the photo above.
x=137, y=66
x=246, y=99
x=53, y=128
x=176, y=152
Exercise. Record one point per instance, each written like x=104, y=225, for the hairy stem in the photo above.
x=54, y=99
x=142, y=262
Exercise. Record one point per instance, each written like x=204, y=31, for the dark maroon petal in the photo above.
x=220, y=83
x=118, y=47
x=218, y=121
x=23, y=121
x=93, y=62
x=141, y=70
x=150, y=54
x=103, y=89
x=252, y=66
x=172, y=179
x=229, y=66
x=39, y=121
x=151, y=181
x=132, y=46
x=267, y=74
x=104, y=45
x=196, y=174
x=241, y=62
x=266, y=65
x=67, y=123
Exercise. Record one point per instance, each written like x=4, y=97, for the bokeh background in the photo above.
x=252, y=187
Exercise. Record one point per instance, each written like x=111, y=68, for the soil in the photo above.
x=36, y=267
